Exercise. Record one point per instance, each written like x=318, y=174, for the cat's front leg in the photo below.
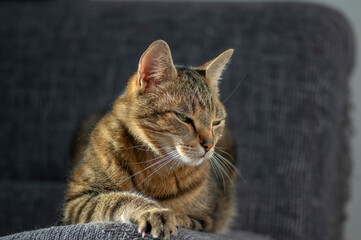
x=204, y=223
x=123, y=207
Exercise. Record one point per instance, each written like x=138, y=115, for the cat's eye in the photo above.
x=183, y=118
x=215, y=123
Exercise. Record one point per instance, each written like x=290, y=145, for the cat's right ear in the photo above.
x=155, y=65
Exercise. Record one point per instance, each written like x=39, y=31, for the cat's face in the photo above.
x=183, y=116
x=179, y=115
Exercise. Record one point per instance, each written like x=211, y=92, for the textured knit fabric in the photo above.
x=114, y=231
x=59, y=60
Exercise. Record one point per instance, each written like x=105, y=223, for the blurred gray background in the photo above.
x=351, y=10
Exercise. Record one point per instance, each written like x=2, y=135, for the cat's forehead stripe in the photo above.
x=195, y=82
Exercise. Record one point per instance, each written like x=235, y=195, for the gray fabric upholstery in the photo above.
x=119, y=231
x=62, y=59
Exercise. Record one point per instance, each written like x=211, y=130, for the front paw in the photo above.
x=159, y=222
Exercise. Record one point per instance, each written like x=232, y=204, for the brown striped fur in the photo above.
x=142, y=164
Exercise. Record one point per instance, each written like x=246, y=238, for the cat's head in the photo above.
x=176, y=110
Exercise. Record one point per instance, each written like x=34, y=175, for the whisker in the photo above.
x=152, y=165
x=159, y=133
x=179, y=162
x=225, y=160
x=216, y=164
x=151, y=160
x=136, y=146
x=158, y=168
x=224, y=169
x=219, y=147
x=226, y=153
x=176, y=162
x=239, y=83
x=214, y=170
x=228, y=162
x=151, y=150
x=146, y=147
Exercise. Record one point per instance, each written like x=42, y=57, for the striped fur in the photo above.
x=143, y=165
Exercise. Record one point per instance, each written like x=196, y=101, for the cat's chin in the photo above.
x=192, y=161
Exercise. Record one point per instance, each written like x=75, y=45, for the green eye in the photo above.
x=183, y=118
x=216, y=123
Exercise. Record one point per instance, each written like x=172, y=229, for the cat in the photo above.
x=151, y=160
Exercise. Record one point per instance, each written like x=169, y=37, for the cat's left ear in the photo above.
x=155, y=65
x=215, y=67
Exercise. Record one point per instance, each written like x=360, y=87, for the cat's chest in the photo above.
x=179, y=189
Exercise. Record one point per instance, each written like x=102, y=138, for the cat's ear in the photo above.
x=155, y=65
x=215, y=67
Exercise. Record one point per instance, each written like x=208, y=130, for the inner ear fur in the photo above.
x=155, y=65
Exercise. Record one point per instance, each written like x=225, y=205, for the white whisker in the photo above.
x=226, y=153
x=226, y=161
x=177, y=162
x=239, y=83
x=152, y=160
x=162, y=160
x=158, y=168
x=224, y=169
x=216, y=165
x=214, y=170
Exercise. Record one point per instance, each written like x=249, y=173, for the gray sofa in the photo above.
x=286, y=91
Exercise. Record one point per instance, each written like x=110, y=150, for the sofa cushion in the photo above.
x=110, y=231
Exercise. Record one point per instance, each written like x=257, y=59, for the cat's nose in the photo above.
x=207, y=144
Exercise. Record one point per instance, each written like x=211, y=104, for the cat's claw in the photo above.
x=160, y=223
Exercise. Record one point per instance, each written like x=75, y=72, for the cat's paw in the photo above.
x=159, y=222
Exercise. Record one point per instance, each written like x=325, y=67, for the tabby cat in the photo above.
x=151, y=160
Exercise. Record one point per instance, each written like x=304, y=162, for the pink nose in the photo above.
x=207, y=145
